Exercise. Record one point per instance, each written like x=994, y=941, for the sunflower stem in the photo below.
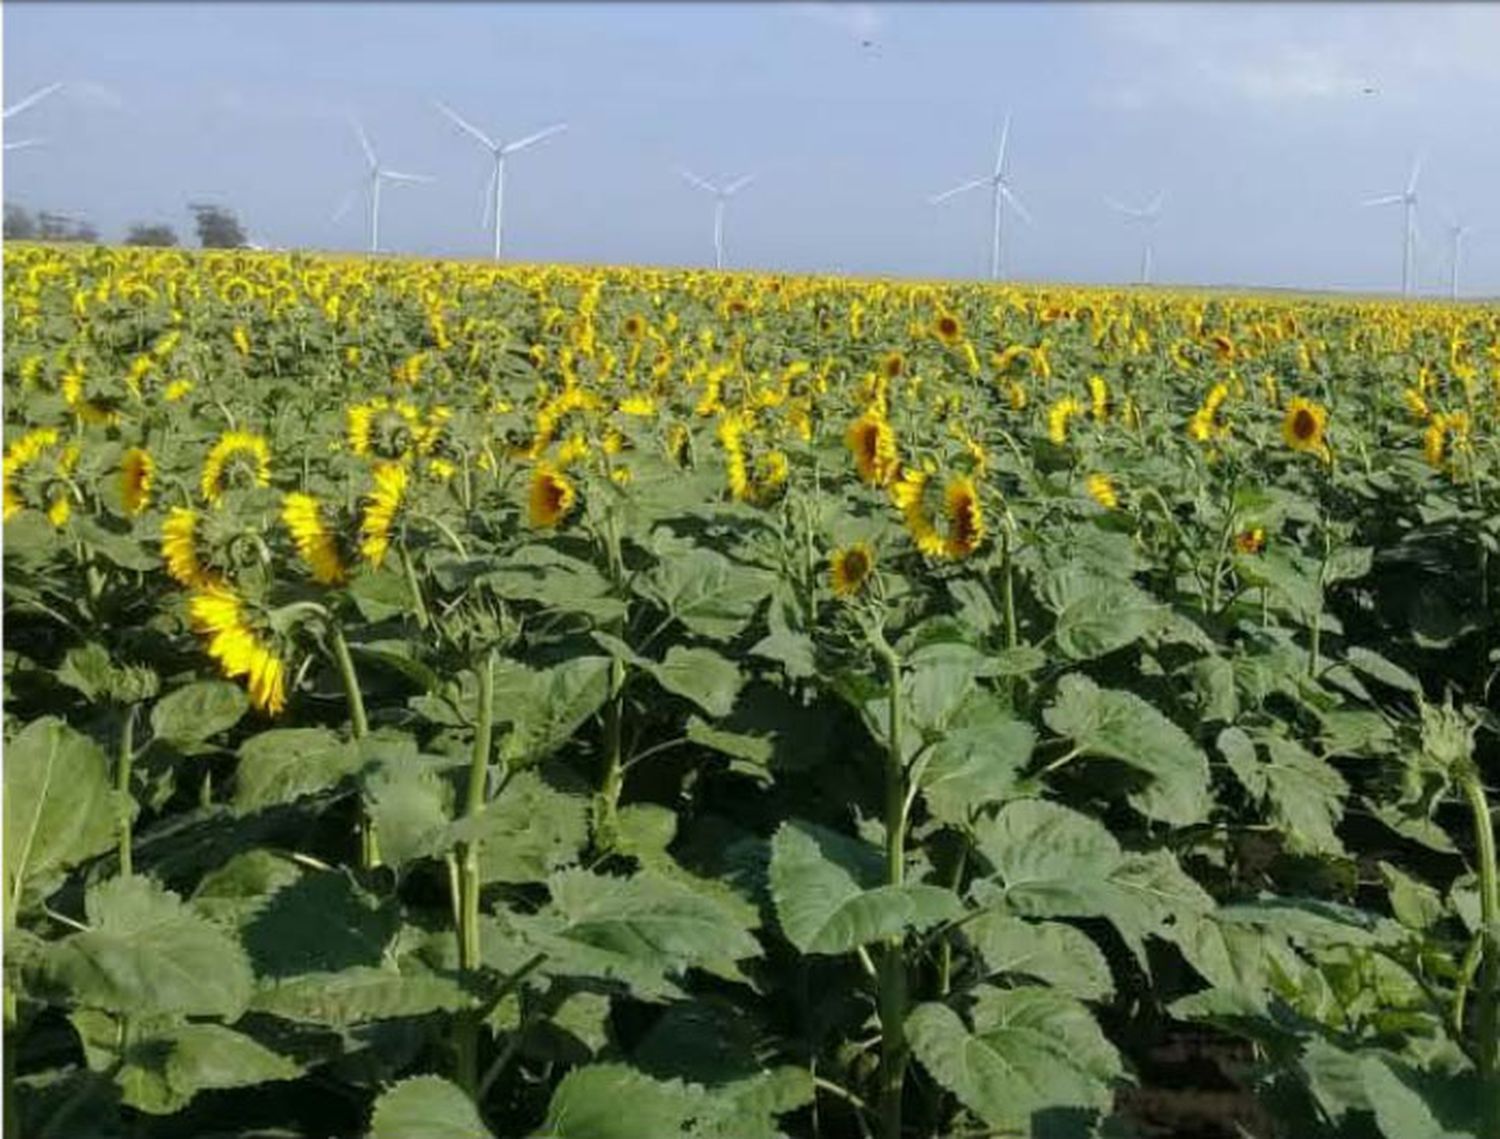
x=369, y=850
x=1487, y=1004
x=415, y=586
x=892, y=980
x=468, y=878
x=122, y=787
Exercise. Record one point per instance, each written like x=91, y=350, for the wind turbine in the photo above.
x=721, y=194
x=377, y=173
x=1456, y=233
x=494, y=197
x=1000, y=194
x=30, y=101
x=1408, y=199
x=1148, y=216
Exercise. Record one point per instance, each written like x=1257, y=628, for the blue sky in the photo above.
x=1254, y=119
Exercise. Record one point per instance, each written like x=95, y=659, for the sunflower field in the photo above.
x=447, y=701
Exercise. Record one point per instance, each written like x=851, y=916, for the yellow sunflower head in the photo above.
x=873, y=444
x=1101, y=489
x=948, y=328
x=1304, y=427
x=137, y=473
x=314, y=541
x=850, y=568
x=381, y=506
x=1251, y=541
x=237, y=456
x=551, y=498
x=964, y=515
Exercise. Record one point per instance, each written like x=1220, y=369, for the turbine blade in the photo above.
x=1416, y=169
x=738, y=184
x=1015, y=202
x=343, y=207
x=1004, y=137
x=463, y=124
x=523, y=143
x=31, y=100
x=23, y=143
x=699, y=182
x=1388, y=200
x=946, y=194
x=364, y=142
x=397, y=176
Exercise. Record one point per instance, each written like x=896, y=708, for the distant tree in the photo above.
x=151, y=233
x=61, y=227
x=218, y=228
x=19, y=224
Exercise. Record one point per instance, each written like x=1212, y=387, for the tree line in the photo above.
x=218, y=227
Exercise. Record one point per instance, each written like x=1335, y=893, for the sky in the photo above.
x=1263, y=125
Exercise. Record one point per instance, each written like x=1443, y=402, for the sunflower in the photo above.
x=948, y=328
x=176, y=390
x=1305, y=426
x=732, y=438
x=893, y=365
x=965, y=517
x=137, y=473
x=873, y=444
x=30, y=450
x=1059, y=415
x=679, y=445
x=1204, y=425
x=1443, y=428
x=551, y=498
x=231, y=444
x=241, y=340
x=850, y=568
x=1098, y=398
x=1101, y=489
x=381, y=506
x=218, y=614
x=179, y=549
x=316, y=545
x=910, y=495
x=1251, y=541
x=1416, y=402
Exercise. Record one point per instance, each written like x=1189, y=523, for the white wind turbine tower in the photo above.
x=494, y=197
x=1408, y=200
x=30, y=101
x=1000, y=195
x=1456, y=233
x=377, y=174
x=1148, y=216
x=721, y=194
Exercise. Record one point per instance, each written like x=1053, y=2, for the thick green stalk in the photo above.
x=892, y=975
x=467, y=1037
x=1487, y=1003
x=369, y=849
x=122, y=787
x=612, y=781
x=1008, y=590
x=408, y=567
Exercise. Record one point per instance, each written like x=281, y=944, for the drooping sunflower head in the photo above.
x=386, y=429
x=911, y=494
x=315, y=542
x=893, y=364
x=1304, y=427
x=239, y=458
x=1059, y=416
x=137, y=474
x=873, y=444
x=38, y=470
x=634, y=326
x=680, y=445
x=381, y=507
x=217, y=613
x=551, y=498
x=1101, y=489
x=850, y=568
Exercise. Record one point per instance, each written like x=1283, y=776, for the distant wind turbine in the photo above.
x=721, y=194
x=1456, y=234
x=30, y=101
x=494, y=196
x=1408, y=200
x=1148, y=216
x=1000, y=194
x=377, y=173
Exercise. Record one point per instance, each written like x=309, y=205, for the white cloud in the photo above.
x=861, y=21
